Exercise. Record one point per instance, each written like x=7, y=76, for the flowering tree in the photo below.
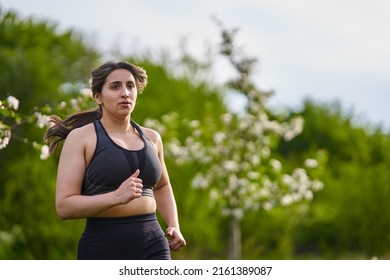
x=8, y=110
x=234, y=154
x=10, y=118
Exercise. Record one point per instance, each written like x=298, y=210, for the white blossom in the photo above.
x=276, y=164
x=230, y=165
x=273, y=126
x=253, y=175
x=295, y=128
x=194, y=124
x=74, y=103
x=238, y=213
x=297, y=125
x=267, y=206
x=289, y=135
x=13, y=102
x=287, y=179
x=235, y=162
x=86, y=92
x=233, y=182
x=214, y=194
x=44, y=152
x=309, y=195
x=311, y=163
x=219, y=137
x=227, y=118
x=42, y=120
x=255, y=159
x=4, y=142
x=317, y=185
x=264, y=192
x=62, y=104
x=200, y=181
x=266, y=152
x=257, y=129
x=287, y=200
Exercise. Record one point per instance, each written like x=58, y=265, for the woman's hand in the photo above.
x=130, y=189
x=177, y=241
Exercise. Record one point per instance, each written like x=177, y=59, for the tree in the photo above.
x=35, y=61
x=243, y=164
x=349, y=217
x=234, y=154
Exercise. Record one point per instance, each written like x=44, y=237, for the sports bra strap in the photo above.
x=139, y=129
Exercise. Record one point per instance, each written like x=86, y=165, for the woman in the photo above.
x=112, y=172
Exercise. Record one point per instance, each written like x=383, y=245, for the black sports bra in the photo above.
x=112, y=164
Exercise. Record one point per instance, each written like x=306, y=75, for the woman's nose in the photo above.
x=126, y=92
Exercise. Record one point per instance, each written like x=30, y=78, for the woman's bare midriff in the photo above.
x=138, y=206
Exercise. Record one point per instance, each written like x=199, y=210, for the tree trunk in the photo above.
x=235, y=238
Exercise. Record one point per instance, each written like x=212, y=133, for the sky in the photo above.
x=325, y=50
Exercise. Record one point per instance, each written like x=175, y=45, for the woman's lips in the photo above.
x=125, y=104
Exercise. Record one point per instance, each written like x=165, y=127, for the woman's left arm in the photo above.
x=165, y=200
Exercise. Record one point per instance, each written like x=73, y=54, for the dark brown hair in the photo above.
x=61, y=128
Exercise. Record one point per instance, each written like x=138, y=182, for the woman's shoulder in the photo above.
x=152, y=134
x=80, y=141
x=82, y=133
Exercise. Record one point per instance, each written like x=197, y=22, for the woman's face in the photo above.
x=119, y=93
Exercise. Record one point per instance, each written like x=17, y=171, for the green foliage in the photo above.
x=35, y=60
x=349, y=217
x=28, y=213
x=42, y=67
x=167, y=93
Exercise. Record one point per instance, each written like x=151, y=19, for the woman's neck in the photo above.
x=116, y=125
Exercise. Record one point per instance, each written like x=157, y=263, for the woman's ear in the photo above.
x=98, y=98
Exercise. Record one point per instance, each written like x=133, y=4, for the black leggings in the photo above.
x=137, y=237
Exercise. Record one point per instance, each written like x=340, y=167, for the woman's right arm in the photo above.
x=70, y=204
